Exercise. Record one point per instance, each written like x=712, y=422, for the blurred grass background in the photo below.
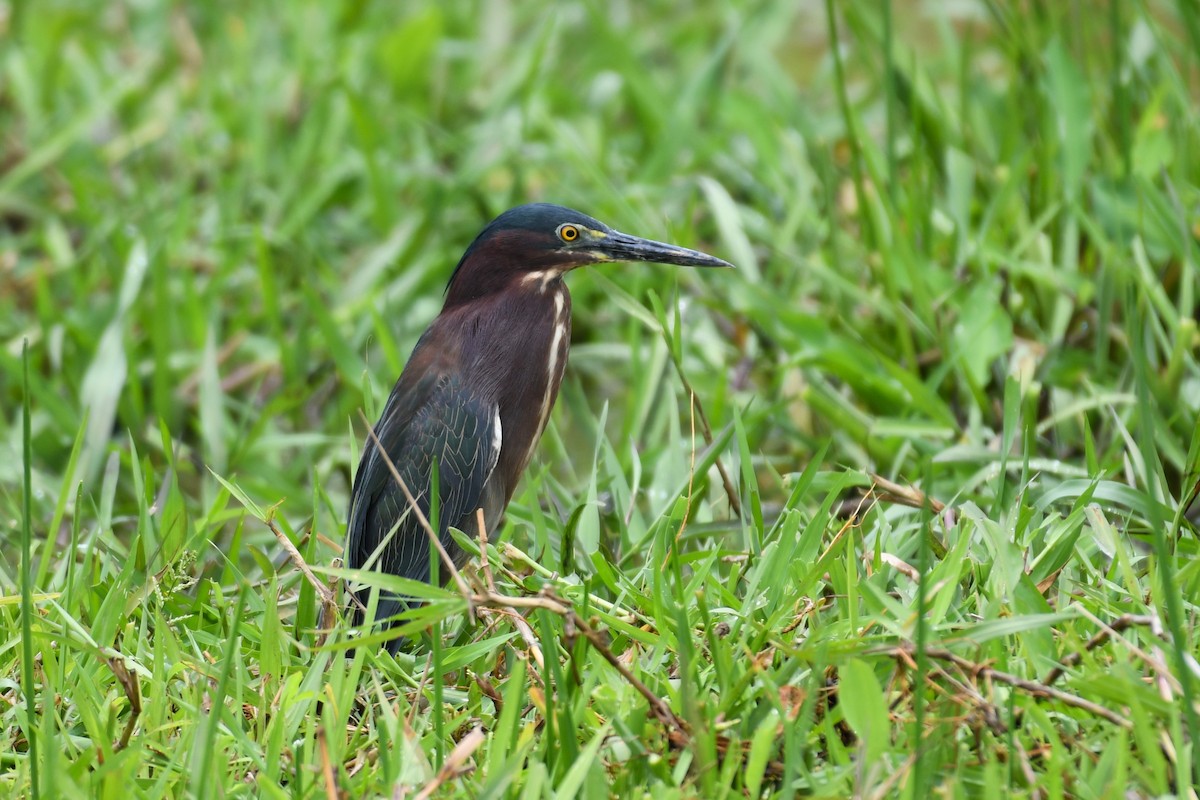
x=967, y=239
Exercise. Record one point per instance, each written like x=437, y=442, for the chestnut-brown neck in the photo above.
x=499, y=263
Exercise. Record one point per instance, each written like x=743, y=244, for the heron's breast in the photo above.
x=535, y=351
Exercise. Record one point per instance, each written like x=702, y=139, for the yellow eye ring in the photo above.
x=568, y=233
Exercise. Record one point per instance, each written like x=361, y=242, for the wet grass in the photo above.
x=953, y=384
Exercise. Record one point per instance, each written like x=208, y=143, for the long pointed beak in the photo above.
x=617, y=246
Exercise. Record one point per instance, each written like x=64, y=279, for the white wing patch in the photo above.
x=497, y=438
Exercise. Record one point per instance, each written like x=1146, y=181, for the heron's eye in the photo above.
x=568, y=233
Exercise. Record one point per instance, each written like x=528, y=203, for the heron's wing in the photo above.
x=431, y=416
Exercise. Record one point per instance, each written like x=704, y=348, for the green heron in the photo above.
x=478, y=389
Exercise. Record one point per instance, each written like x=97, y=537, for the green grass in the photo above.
x=968, y=239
